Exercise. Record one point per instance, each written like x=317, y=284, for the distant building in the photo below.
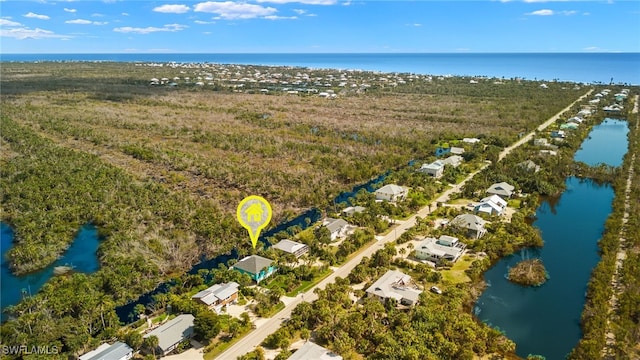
x=117, y=351
x=391, y=192
x=471, y=140
x=312, y=351
x=457, y=150
x=292, y=247
x=502, y=189
x=472, y=223
x=337, y=227
x=257, y=267
x=396, y=285
x=453, y=160
x=529, y=166
x=218, y=295
x=492, y=205
x=172, y=333
x=353, y=209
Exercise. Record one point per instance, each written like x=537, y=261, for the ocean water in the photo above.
x=578, y=67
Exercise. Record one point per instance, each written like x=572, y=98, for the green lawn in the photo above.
x=306, y=285
x=456, y=274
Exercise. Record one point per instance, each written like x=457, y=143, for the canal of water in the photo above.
x=545, y=320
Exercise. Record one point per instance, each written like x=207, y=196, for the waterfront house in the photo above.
x=257, y=267
x=353, y=209
x=492, y=205
x=292, y=247
x=575, y=119
x=172, y=333
x=443, y=248
x=569, y=126
x=312, y=351
x=218, y=295
x=435, y=169
x=472, y=223
x=391, y=192
x=558, y=134
x=502, y=189
x=117, y=351
x=337, y=227
x=395, y=285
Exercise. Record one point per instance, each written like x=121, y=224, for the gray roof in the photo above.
x=335, y=225
x=217, y=292
x=501, y=188
x=311, y=351
x=469, y=221
x=289, y=246
x=395, y=284
x=436, y=165
x=174, y=331
x=253, y=264
x=354, y=209
x=116, y=351
x=431, y=246
x=391, y=189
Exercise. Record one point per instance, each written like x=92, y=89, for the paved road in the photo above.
x=253, y=339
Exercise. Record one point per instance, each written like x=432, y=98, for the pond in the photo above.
x=545, y=320
x=81, y=255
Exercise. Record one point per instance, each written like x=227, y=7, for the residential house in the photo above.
x=472, y=223
x=492, y=205
x=117, y=351
x=353, y=209
x=585, y=113
x=172, y=333
x=396, y=285
x=435, y=169
x=548, y=152
x=558, y=134
x=575, y=119
x=540, y=142
x=257, y=267
x=218, y=295
x=312, y=351
x=529, y=166
x=337, y=227
x=471, y=140
x=613, y=108
x=391, y=192
x=503, y=189
x=569, y=126
x=453, y=160
x=443, y=248
x=292, y=247
x=457, y=150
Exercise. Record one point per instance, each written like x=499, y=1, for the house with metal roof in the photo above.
x=502, y=189
x=443, y=248
x=353, y=209
x=395, y=285
x=391, y=192
x=492, y=205
x=312, y=351
x=337, y=227
x=257, y=267
x=172, y=333
x=472, y=223
x=291, y=247
x=218, y=295
x=435, y=169
x=116, y=351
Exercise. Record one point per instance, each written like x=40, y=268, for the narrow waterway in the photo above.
x=81, y=255
x=545, y=320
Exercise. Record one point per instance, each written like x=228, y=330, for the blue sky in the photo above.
x=256, y=26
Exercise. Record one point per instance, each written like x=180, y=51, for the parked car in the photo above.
x=436, y=290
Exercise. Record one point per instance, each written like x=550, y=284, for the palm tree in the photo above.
x=151, y=343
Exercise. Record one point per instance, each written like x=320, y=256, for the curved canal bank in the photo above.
x=545, y=320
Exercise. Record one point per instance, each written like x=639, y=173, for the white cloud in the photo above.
x=200, y=22
x=308, y=2
x=415, y=25
x=230, y=10
x=150, y=29
x=85, y=22
x=592, y=48
x=97, y=15
x=543, y=12
x=5, y=22
x=26, y=33
x=125, y=14
x=172, y=9
x=299, y=11
x=70, y=10
x=276, y=17
x=36, y=16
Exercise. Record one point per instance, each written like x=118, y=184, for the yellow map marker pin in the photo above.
x=254, y=214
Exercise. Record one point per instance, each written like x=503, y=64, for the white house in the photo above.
x=396, y=285
x=391, y=192
x=117, y=351
x=457, y=150
x=172, y=333
x=492, y=205
x=218, y=295
x=471, y=140
x=444, y=248
x=435, y=169
x=353, y=209
x=312, y=351
x=453, y=160
x=337, y=227
x=292, y=247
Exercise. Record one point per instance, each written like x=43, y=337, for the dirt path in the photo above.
x=263, y=329
x=609, y=351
